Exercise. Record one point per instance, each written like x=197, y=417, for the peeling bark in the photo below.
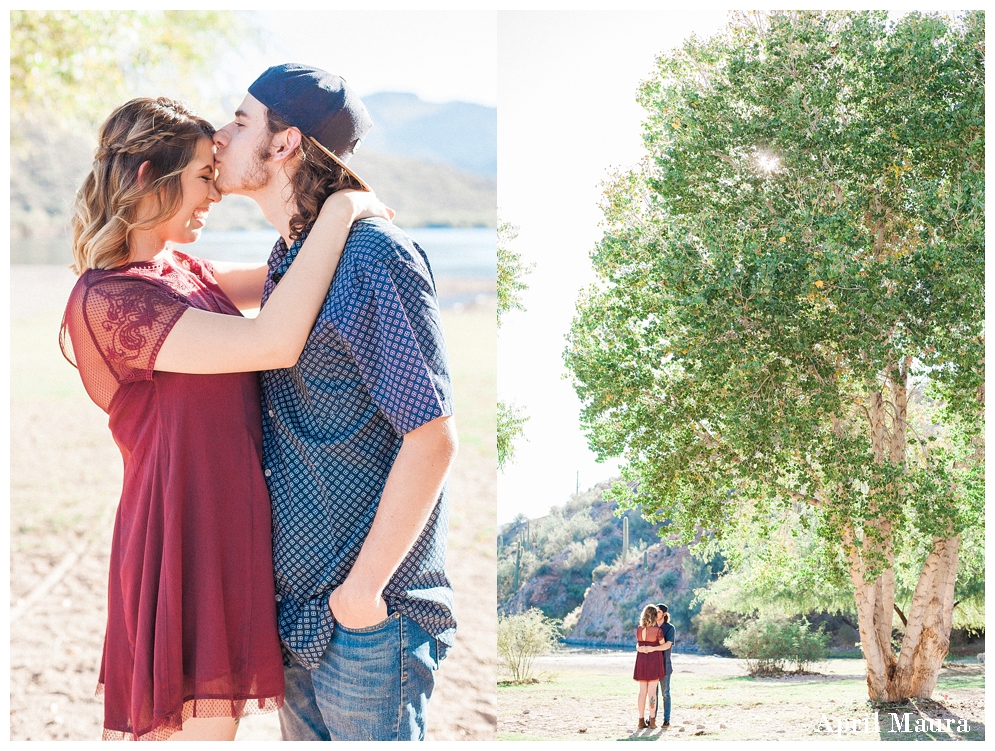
x=927, y=636
x=899, y=428
x=875, y=600
x=913, y=673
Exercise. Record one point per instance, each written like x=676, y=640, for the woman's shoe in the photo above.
x=652, y=725
x=642, y=723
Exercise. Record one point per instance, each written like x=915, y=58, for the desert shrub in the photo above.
x=766, y=645
x=505, y=578
x=580, y=553
x=522, y=638
x=570, y=622
x=557, y=531
x=576, y=592
x=600, y=571
x=711, y=627
x=808, y=645
x=667, y=581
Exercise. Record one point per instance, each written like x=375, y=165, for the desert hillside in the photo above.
x=570, y=564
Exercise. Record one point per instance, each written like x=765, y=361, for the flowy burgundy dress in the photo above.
x=191, y=617
x=649, y=665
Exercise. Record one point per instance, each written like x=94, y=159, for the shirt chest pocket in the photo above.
x=332, y=396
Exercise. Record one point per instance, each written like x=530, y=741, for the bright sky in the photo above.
x=438, y=55
x=567, y=116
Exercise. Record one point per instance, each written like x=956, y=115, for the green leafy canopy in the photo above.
x=806, y=229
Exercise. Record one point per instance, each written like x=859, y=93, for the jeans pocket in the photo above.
x=370, y=629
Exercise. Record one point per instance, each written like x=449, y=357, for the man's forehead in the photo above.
x=250, y=107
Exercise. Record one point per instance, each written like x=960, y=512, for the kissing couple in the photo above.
x=280, y=540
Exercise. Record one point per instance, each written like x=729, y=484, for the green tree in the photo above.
x=511, y=271
x=82, y=63
x=70, y=68
x=791, y=310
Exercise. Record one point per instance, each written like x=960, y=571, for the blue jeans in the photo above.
x=665, y=685
x=373, y=684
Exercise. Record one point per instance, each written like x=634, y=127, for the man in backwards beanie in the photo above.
x=357, y=437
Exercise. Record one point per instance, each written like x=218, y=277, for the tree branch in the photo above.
x=905, y=621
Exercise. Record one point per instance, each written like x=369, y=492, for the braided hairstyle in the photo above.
x=162, y=132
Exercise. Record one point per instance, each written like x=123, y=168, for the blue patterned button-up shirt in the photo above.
x=374, y=368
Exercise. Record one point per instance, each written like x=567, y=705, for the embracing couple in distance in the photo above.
x=280, y=540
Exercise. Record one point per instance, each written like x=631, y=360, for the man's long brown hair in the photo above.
x=316, y=178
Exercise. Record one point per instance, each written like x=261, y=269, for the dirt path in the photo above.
x=65, y=479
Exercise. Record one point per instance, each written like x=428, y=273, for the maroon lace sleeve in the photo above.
x=113, y=328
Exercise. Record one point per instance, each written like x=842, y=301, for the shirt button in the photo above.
x=279, y=598
x=271, y=413
x=267, y=473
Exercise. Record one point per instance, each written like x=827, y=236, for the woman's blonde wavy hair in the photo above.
x=648, y=618
x=162, y=132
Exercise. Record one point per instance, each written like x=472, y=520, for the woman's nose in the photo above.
x=214, y=195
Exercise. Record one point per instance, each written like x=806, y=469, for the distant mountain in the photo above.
x=48, y=162
x=428, y=194
x=459, y=134
x=424, y=194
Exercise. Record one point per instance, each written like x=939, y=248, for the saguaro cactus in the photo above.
x=625, y=539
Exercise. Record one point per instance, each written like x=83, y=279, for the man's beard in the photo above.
x=255, y=177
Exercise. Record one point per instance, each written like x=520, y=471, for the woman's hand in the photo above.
x=355, y=205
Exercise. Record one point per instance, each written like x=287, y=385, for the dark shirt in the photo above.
x=669, y=634
x=374, y=368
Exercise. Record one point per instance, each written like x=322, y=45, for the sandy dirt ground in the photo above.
x=65, y=480
x=585, y=695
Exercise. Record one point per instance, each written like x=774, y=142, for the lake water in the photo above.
x=452, y=252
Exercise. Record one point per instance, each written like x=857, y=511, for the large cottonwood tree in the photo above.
x=791, y=308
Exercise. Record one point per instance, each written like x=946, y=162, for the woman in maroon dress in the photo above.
x=191, y=641
x=649, y=661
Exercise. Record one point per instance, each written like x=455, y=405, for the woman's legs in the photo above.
x=641, y=702
x=206, y=729
x=651, y=692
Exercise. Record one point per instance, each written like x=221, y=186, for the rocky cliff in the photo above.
x=613, y=605
x=561, y=552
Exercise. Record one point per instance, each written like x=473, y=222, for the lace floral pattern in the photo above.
x=116, y=321
x=129, y=320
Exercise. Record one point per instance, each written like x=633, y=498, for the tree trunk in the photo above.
x=927, y=628
x=875, y=600
x=927, y=636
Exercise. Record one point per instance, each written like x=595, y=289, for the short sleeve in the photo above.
x=116, y=326
x=394, y=331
